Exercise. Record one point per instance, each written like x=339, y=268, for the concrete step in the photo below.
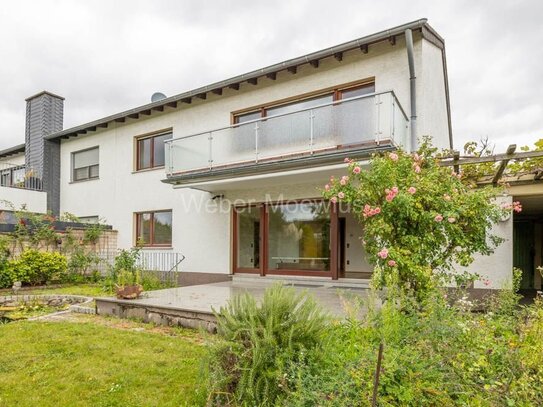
x=304, y=280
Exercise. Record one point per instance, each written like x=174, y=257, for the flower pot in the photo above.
x=129, y=292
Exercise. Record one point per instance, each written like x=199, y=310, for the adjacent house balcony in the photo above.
x=19, y=176
x=314, y=136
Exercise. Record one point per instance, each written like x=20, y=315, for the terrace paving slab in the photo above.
x=203, y=299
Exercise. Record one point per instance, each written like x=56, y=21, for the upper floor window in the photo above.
x=150, y=151
x=274, y=109
x=154, y=228
x=85, y=165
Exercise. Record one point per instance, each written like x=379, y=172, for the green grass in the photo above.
x=90, y=364
x=89, y=290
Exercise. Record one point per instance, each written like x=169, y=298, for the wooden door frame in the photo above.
x=263, y=269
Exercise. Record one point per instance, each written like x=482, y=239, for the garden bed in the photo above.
x=20, y=307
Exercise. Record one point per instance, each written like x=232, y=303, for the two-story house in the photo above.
x=229, y=174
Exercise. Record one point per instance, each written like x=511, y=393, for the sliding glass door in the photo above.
x=284, y=238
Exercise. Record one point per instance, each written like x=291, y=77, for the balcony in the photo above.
x=315, y=136
x=18, y=176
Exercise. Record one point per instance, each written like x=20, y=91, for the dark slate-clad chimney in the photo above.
x=44, y=116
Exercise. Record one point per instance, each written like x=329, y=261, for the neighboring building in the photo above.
x=228, y=174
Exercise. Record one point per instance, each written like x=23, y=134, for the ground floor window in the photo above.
x=154, y=228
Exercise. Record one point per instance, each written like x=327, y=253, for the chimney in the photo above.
x=44, y=116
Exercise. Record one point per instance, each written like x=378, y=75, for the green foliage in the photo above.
x=419, y=218
x=36, y=267
x=125, y=278
x=258, y=342
x=98, y=362
x=435, y=354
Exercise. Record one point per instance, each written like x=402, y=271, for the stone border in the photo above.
x=77, y=302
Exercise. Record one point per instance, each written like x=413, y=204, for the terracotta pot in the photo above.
x=129, y=292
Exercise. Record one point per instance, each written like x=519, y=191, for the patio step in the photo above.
x=301, y=281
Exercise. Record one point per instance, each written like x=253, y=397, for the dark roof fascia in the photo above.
x=20, y=148
x=291, y=63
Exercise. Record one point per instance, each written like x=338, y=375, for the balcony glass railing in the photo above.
x=352, y=124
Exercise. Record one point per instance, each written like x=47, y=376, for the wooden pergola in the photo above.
x=456, y=161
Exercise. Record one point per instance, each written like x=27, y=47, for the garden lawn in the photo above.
x=86, y=364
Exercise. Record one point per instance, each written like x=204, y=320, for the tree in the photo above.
x=419, y=219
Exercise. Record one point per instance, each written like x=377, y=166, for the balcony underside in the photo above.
x=294, y=169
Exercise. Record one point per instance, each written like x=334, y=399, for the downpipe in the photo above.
x=412, y=88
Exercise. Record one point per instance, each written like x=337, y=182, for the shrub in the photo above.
x=435, y=353
x=37, y=267
x=419, y=218
x=258, y=342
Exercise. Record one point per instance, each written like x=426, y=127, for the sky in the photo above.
x=108, y=56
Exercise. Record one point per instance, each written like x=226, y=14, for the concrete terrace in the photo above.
x=193, y=306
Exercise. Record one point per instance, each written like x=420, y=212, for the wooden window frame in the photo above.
x=334, y=90
x=88, y=167
x=137, y=217
x=151, y=136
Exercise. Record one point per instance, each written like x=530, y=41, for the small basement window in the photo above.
x=85, y=164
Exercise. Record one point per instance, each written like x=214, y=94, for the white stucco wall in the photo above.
x=498, y=267
x=12, y=160
x=204, y=237
x=431, y=97
x=16, y=198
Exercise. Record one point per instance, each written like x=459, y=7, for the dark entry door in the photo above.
x=524, y=252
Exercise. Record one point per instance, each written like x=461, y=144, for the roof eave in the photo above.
x=282, y=66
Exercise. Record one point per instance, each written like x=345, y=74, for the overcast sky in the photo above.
x=108, y=56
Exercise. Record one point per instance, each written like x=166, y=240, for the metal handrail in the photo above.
x=262, y=119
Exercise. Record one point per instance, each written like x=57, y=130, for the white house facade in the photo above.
x=229, y=174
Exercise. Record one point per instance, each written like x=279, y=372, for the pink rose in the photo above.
x=356, y=170
x=333, y=199
x=451, y=219
x=416, y=157
x=412, y=190
x=393, y=156
x=377, y=211
x=395, y=190
x=327, y=187
x=383, y=253
x=391, y=263
x=341, y=195
x=417, y=169
x=346, y=160
x=438, y=218
x=342, y=181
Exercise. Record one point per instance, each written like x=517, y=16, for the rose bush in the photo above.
x=419, y=218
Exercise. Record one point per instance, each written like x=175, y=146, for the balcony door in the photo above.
x=296, y=238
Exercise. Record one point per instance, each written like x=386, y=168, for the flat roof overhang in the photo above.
x=15, y=150
x=316, y=170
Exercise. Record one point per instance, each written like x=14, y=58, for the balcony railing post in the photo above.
x=311, y=130
x=210, y=156
x=170, y=158
x=392, y=126
x=256, y=142
x=378, y=103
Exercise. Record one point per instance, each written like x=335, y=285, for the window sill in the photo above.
x=148, y=169
x=154, y=247
x=84, y=180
